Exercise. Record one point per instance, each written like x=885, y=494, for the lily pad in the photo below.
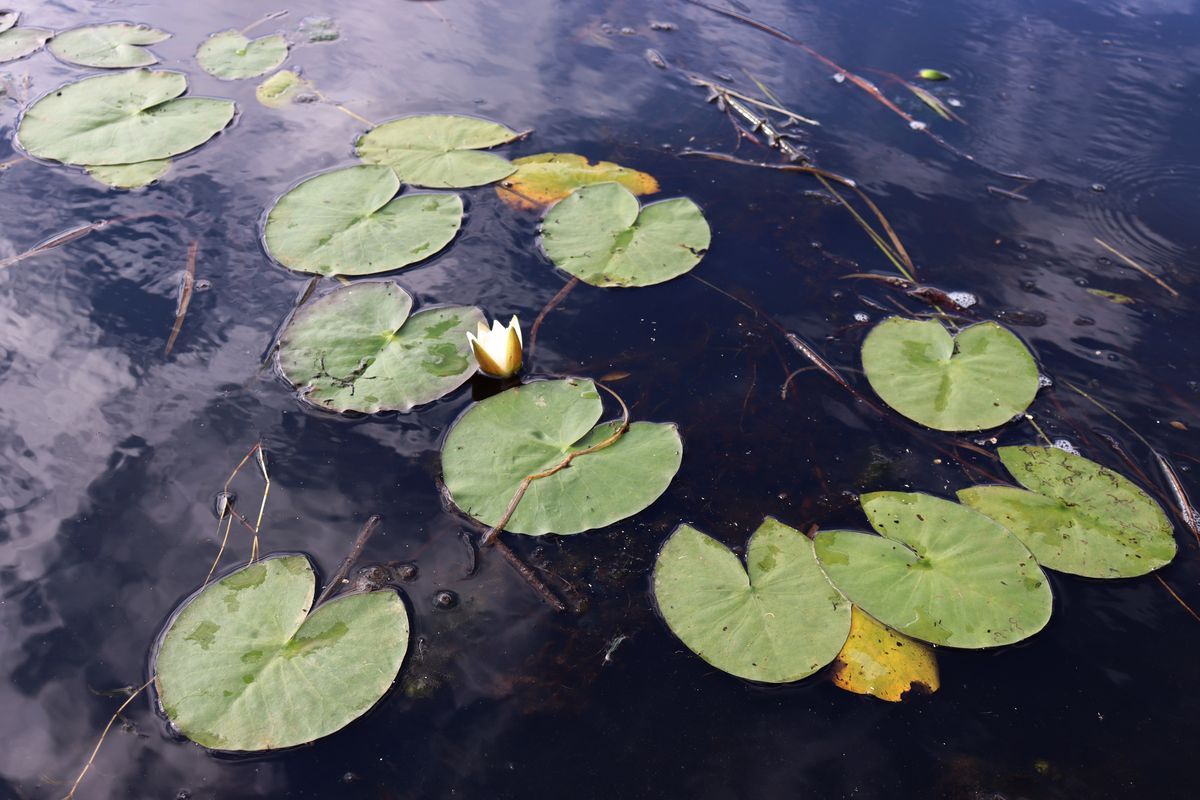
x=781, y=622
x=549, y=177
x=500, y=441
x=125, y=118
x=130, y=176
x=281, y=89
x=1078, y=516
x=20, y=42
x=979, y=379
x=350, y=222
x=442, y=151
x=357, y=349
x=601, y=236
x=8, y=18
x=244, y=666
x=231, y=56
x=113, y=45
x=940, y=572
x=882, y=663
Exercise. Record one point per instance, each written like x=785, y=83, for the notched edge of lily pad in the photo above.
x=155, y=60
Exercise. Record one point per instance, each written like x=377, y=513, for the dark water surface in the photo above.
x=111, y=451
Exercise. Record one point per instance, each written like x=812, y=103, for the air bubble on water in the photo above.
x=963, y=299
x=1044, y=381
x=1066, y=446
x=839, y=77
x=917, y=125
x=861, y=316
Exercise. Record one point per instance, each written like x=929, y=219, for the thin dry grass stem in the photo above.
x=353, y=115
x=1136, y=266
x=185, y=295
x=721, y=89
x=861, y=83
x=263, y=20
x=227, y=514
x=1038, y=428
x=541, y=317
x=892, y=248
x=609, y=441
x=924, y=95
x=12, y=162
x=103, y=734
x=1011, y=195
x=364, y=534
x=1178, y=599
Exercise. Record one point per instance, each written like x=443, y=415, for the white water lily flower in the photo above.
x=498, y=350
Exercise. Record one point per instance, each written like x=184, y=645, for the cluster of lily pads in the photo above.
x=123, y=129
x=966, y=574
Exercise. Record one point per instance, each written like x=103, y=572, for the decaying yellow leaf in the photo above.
x=878, y=661
x=548, y=177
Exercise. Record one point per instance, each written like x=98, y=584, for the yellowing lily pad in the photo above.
x=20, y=42
x=357, y=349
x=125, y=118
x=882, y=663
x=940, y=572
x=529, y=429
x=281, y=89
x=549, y=177
x=602, y=236
x=979, y=379
x=780, y=622
x=443, y=151
x=113, y=45
x=350, y=222
x=230, y=55
x=244, y=666
x=1077, y=516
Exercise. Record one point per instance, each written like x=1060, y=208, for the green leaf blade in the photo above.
x=1077, y=516
x=245, y=667
x=350, y=222
x=599, y=235
x=230, y=55
x=939, y=572
x=531, y=428
x=779, y=621
x=979, y=379
x=439, y=151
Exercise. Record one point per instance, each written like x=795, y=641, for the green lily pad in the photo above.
x=230, y=56
x=940, y=572
x=1077, y=517
x=601, y=236
x=531, y=428
x=114, y=45
x=20, y=42
x=549, y=177
x=281, y=89
x=443, y=151
x=350, y=222
x=244, y=666
x=124, y=118
x=130, y=176
x=782, y=622
x=357, y=349
x=979, y=379
x=8, y=18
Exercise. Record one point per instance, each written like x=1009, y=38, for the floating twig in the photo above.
x=263, y=20
x=1178, y=599
x=185, y=295
x=103, y=734
x=364, y=534
x=1020, y=198
x=71, y=234
x=1135, y=265
x=618, y=431
x=526, y=572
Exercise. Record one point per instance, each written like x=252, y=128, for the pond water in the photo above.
x=112, y=451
